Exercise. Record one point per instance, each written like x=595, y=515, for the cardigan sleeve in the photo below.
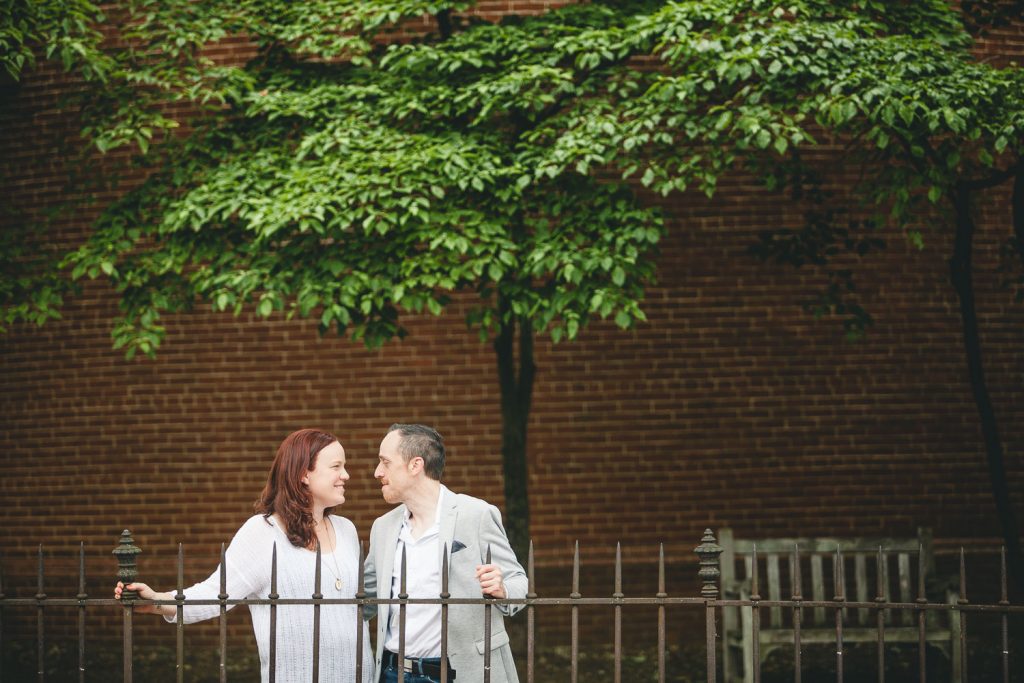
x=247, y=564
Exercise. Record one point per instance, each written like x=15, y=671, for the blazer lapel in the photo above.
x=449, y=515
x=385, y=566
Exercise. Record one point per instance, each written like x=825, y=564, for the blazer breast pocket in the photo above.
x=463, y=552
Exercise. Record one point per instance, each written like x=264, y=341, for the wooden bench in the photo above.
x=775, y=558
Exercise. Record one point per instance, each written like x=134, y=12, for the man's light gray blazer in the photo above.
x=468, y=525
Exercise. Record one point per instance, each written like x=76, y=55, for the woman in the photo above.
x=306, y=481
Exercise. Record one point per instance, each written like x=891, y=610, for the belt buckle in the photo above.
x=407, y=665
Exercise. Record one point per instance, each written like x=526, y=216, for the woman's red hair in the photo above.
x=285, y=495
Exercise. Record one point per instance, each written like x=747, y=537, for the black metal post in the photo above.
x=222, y=596
x=531, y=594
x=709, y=551
x=179, y=619
x=82, y=597
x=127, y=572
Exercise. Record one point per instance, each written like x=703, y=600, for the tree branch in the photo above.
x=1017, y=209
x=444, y=23
x=997, y=178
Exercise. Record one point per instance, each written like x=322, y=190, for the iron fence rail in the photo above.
x=709, y=600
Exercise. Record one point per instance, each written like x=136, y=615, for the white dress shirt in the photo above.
x=422, y=580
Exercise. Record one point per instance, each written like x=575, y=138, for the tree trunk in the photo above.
x=516, y=396
x=960, y=269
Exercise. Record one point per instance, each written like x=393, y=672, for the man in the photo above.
x=430, y=517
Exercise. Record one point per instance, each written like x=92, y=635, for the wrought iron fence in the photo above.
x=710, y=601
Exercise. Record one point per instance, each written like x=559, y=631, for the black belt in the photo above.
x=427, y=666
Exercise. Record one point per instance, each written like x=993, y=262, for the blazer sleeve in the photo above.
x=492, y=534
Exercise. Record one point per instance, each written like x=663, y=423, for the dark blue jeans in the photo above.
x=390, y=675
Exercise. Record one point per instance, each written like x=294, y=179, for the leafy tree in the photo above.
x=66, y=29
x=982, y=15
x=32, y=288
x=349, y=174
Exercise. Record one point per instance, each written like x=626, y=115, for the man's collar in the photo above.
x=441, y=494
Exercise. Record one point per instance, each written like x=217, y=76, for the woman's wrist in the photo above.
x=165, y=610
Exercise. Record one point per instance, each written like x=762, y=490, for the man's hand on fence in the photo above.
x=146, y=593
x=489, y=576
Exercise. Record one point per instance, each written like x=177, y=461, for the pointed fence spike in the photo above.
x=273, y=573
x=837, y=576
x=576, y=571
x=444, y=573
x=402, y=595
x=40, y=594
x=754, y=593
x=360, y=574
x=798, y=591
x=223, y=573
x=879, y=574
x=963, y=578
x=921, y=572
x=81, y=571
x=618, y=570
x=316, y=574
x=180, y=594
x=661, y=571
x=1004, y=596
x=529, y=573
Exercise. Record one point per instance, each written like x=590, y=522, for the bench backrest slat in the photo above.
x=860, y=569
x=774, y=588
x=886, y=587
x=817, y=587
x=903, y=566
x=861, y=555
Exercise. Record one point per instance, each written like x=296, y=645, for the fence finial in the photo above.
x=708, y=551
x=127, y=568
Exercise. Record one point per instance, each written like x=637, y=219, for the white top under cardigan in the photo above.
x=248, y=561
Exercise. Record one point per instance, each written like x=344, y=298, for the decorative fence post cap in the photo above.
x=127, y=569
x=708, y=551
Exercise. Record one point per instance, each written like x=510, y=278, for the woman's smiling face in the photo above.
x=326, y=481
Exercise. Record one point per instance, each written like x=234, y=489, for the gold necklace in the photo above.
x=336, y=572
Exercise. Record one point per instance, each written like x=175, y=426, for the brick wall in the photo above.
x=731, y=407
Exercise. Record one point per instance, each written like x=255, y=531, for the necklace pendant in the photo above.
x=337, y=584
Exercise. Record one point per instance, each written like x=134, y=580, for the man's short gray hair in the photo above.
x=423, y=442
